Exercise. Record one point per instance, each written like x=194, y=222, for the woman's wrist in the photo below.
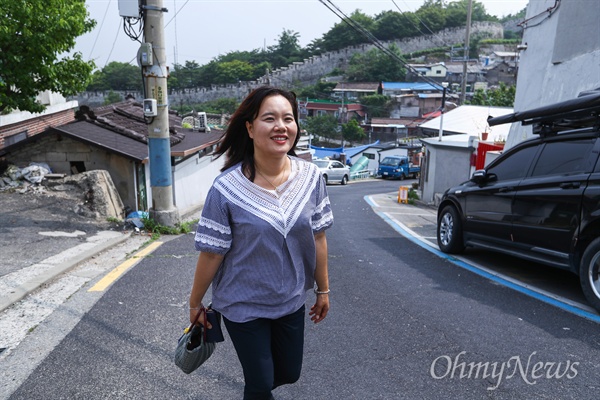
x=318, y=291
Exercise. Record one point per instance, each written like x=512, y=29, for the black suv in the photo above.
x=539, y=200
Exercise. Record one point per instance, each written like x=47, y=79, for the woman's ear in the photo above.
x=249, y=129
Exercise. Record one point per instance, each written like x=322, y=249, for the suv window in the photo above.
x=515, y=166
x=564, y=157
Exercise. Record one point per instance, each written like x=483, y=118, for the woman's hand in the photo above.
x=319, y=311
x=201, y=318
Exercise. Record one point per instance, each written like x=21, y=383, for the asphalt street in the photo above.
x=405, y=324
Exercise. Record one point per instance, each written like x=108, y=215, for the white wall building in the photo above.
x=560, y=56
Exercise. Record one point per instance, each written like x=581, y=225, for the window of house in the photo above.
x=12, y=139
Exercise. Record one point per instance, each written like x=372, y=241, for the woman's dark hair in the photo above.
x=236, y=143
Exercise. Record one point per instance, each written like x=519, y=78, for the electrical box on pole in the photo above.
x=145, y=56
x=129, y=8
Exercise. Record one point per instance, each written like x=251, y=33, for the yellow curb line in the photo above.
x=113, y=275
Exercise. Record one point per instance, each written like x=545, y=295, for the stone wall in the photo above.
x=310, y=70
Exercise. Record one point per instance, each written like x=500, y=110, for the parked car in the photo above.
x=397, y=167
x=539, y=200
x=333, y=171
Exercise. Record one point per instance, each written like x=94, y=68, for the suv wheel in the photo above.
x=589, y=273
x=449, y=231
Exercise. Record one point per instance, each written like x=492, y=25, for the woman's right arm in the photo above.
x=206, y=268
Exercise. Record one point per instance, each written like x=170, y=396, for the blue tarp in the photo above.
x=322, y=152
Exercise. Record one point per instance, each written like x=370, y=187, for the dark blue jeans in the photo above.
x=270, y=351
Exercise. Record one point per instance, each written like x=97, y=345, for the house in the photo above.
x=397, y=130
x=412, y=99
x=353, y=91
x=436, y=70
x=20, y=125
x=115, y=138
x=341, y=110
x=475, y=73
x=454, y=158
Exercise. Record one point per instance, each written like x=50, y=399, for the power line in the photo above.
x=423, y=23
x=100, y=29
x=113, y=45
x=376, y=42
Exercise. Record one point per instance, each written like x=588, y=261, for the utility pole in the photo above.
x=463, y=87
x=159, y=146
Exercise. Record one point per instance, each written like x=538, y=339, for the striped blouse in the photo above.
x=267, y=239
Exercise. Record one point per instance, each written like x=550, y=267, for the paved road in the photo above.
x=402, y=322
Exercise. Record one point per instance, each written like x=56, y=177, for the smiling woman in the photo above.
x=262, y=241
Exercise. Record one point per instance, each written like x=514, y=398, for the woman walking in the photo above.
x=262, y=241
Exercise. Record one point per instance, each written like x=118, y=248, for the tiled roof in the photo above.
x=121, y=128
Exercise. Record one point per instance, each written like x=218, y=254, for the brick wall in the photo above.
x=36, y=125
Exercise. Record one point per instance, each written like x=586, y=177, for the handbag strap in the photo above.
x=205, y=321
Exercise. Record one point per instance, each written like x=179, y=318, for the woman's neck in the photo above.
x=273, y=167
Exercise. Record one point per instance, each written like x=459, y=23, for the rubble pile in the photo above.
x=26, y=179
x=94, y=192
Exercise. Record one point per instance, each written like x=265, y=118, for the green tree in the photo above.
x=503, y=96
x=233, y=71
x=390, y=25
x=432, y=16
x=117, y=76
x=287, y=50
x=343, y=35
x=320, y=90
x=220, y=106
x=352, y=132
x=323, y=125
x=376, y=66
x=34, y=36
x=112, y=98
x=456, y=13
x=377, y=105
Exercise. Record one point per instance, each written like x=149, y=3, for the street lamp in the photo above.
x=444, y=86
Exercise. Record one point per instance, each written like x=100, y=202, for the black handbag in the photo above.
x=197, y=344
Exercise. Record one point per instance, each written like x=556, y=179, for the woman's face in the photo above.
x=274, y=129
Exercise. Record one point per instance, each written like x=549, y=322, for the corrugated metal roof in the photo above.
x=471, y=120
x=415, y=86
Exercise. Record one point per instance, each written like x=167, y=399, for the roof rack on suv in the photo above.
x=581, y=112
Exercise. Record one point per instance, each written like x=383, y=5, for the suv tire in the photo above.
x=589, y=273
x=449, y=231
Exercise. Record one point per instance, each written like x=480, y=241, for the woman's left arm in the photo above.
x=319, y=311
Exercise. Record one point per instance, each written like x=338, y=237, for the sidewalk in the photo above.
x=418, y=221
x=41, y=241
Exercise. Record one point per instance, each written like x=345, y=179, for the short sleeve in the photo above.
x=213, y=234
x=322, y=217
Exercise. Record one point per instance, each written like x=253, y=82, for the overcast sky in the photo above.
x=199, y=30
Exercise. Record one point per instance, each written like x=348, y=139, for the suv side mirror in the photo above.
x=479, y=176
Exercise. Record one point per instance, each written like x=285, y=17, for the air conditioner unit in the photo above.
x=203, y=122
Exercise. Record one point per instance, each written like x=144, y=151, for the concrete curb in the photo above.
x=14, y=290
